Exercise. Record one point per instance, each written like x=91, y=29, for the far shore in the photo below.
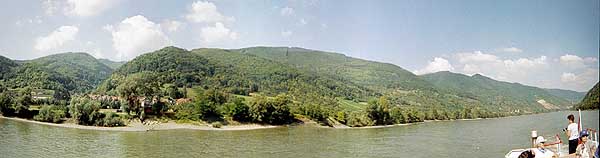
x=171, y=125
x=139, y=127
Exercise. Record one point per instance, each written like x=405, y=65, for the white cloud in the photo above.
x=85, y=8
x=286, y=33
x=514, y=70
x=218, y=33
x=438, y=64
x=303, y=21
x=568, y=77
x=93, y=50
x=572, y=61
x=512, y=50
x=287, y=11
x=476, y=56
x=51, y=6
x=324, y=26
x=136, y=35
x=170, y=25
x=205, y=12
x=56, y=39
x=590, y=60
x=580, y=81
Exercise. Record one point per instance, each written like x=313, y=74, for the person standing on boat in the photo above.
x=540, y=151
x=572, y=132
x=586, y=148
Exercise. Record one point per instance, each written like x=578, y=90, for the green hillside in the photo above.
x=381, y=77
x=66, y=72
x=112, y=64
x=85, y=71
x=231, y=71
x=591, y=99
x=572, y=96
x=5, y=66
x=497, y=94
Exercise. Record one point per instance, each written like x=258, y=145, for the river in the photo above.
x=464, y=138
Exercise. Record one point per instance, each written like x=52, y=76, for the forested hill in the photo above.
x=74, y=72
x=231, y=72
x=378, y=76
x=112, y=64
x=496, y=93
x=591, y=99
x=572, y=96
x=5, y=66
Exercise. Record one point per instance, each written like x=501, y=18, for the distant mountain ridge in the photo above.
x=296, y=71
x=495, y=93
x=76, y=72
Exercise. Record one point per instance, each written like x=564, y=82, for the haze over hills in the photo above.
x=301, y=73
x=495, y=93
x=572, y=96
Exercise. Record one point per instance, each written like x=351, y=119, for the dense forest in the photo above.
x=269, y=85
x=591, y=99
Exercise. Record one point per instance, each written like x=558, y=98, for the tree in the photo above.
x=271, y=111
x=50, y=113
x=85, y=110
x=379, y=111
x=237, y=110
x=23, y=101
x=6, y=103
x=138, y=85
x=171, y=91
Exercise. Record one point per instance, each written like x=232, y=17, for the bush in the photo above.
x=111, y=119
x=379, y=112
x=341, y=117
x=358, y=119
x=186, y=111
x=6, y=103
x=315, y=112
x=85, y=111
x=217, y=125
x=271, y=111
x=50, y=113
x=237, y=110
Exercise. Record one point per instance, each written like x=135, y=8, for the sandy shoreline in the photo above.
x=139, y=127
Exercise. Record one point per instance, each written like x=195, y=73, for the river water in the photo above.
x=466, y=138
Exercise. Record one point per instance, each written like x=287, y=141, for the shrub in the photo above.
x=341, y=117
x=358, y=119
x=50, y=113
x=217, y=125
x=6, y=103
x=315, y=112
x=237, y=110
x=186, y=111
x=111, y=119
x=271, y=111
x=85, y=111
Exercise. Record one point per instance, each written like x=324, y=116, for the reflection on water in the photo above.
x=474, y=138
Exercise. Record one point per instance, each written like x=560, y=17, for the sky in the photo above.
x=545, y=43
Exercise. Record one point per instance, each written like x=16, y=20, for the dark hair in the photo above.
x=571, y=117
x=526, y=154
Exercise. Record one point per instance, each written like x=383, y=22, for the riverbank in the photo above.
x=136, y=126
x=139, y=127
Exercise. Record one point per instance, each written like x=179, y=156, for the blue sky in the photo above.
x=551, y=44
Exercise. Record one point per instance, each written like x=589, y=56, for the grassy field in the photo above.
x=351, y=105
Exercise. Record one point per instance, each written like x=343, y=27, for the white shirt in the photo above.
x=574, y=131
x=542, y=153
